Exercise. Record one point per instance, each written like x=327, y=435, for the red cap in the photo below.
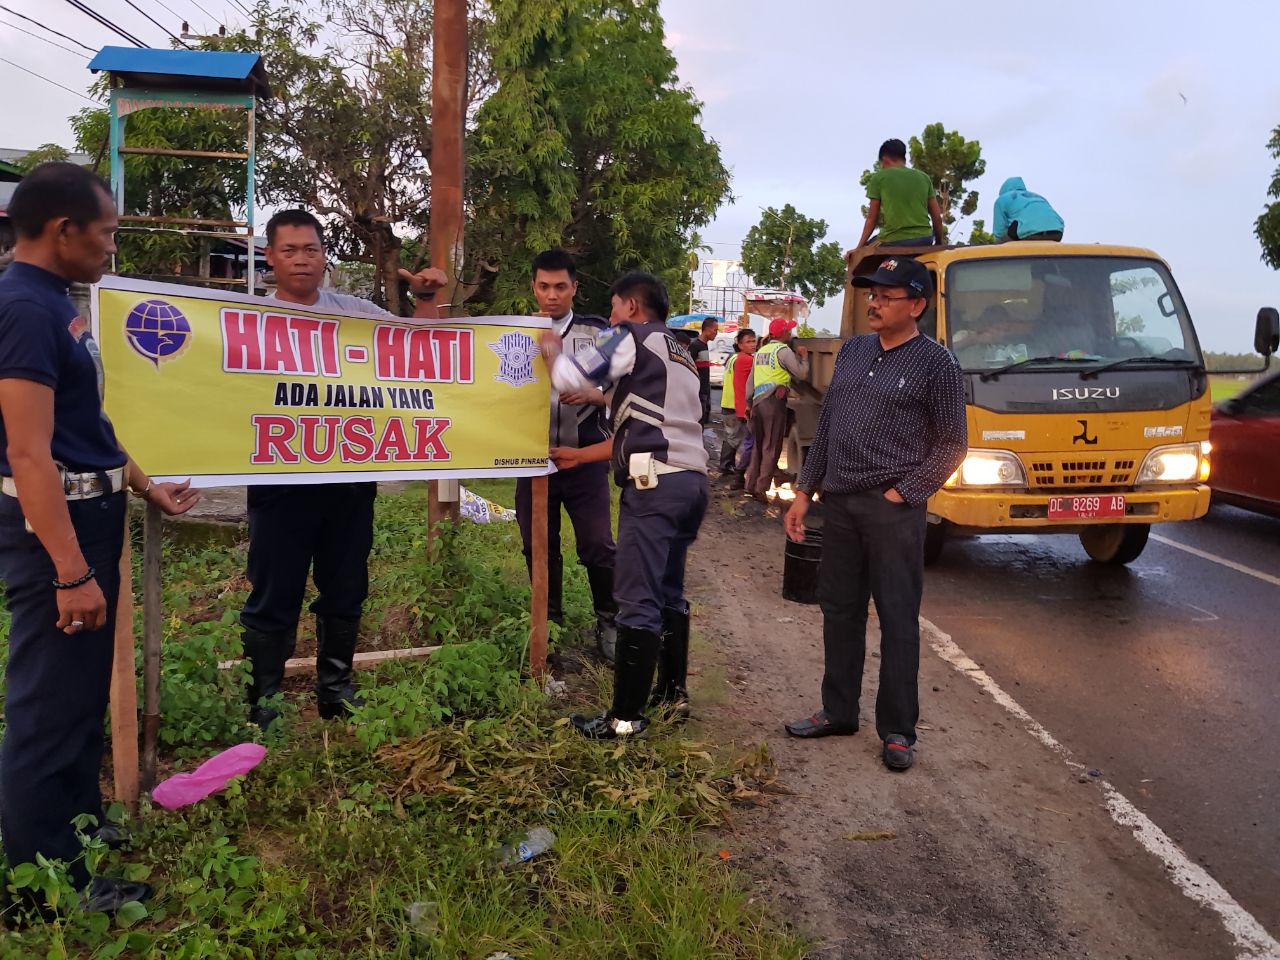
x=780, y=325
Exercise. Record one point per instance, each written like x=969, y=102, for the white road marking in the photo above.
x=1209, y=615
x=1251, y=939
x=1214, y=558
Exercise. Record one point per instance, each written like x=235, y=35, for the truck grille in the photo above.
x=1051, y=474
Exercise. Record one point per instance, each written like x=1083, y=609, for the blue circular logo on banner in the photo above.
x=157, y=330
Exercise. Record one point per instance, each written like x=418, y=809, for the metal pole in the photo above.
x=151, y=636
x=448, y=104
x=249, y=198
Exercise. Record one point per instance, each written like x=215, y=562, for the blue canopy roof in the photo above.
x=214, y=70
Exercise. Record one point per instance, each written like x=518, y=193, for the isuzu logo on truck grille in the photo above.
x=1085, y=393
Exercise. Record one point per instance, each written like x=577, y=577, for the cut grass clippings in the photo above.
x=382, y=840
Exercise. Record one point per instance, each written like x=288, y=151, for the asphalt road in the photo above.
x=1164, y=674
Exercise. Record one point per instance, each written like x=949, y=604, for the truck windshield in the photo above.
x=1064, y=310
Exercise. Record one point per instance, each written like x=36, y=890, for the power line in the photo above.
x=155, y=21
x=119, y=31
x=247, y=11
x=52, y=43
x=204, y=10
x=172, y=12
x=43, y=27
x=47, y=80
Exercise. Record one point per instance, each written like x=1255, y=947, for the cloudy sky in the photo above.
x=1083, y=100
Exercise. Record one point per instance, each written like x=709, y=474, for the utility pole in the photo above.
x=448, y=96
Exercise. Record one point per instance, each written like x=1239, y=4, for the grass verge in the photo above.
x=326, y=848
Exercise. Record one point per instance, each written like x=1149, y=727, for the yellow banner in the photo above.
x=230, y=389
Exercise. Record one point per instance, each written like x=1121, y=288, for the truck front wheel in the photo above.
x=1115, y=543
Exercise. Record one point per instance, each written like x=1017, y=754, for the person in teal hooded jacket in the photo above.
x=1023, y=215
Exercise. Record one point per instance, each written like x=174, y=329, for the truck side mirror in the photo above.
x=1266, y=335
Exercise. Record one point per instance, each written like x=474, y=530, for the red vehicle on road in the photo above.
x=1245, y=432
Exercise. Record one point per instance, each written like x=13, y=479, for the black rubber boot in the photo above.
x=632, y=678
x=669, y=693
x=555, y=590
x=335, y=650
x=601, y=580
x=266, y=653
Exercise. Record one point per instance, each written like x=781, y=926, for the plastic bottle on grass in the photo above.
x=537, y=841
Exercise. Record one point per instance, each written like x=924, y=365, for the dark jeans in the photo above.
x=769, y=430
x=584, y=493
x=1042, y=235
x=910, y=242
x=655, y=529
x=57, y=686
x=322, y=528
x=872, y=548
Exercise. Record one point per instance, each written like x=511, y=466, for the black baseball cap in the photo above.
x=911, y=275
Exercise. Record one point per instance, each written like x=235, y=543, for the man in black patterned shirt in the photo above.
x=891, y=431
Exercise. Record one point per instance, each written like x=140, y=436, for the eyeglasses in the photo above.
x=881, y=298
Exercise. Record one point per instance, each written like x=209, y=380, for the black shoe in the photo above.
x=109, y=894
x=676, y=710
x=898, y=754
x=263, y=717
x=607, y=727
x=819, y=725
x=607, y=636
x=341, y=710
x=113, y=835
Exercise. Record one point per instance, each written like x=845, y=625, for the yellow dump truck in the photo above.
x=1087, y=398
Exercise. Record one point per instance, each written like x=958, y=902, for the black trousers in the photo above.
x=57, y=686
x=656, y=527
x=872, y=548
x=325, y=529
x=584, y=493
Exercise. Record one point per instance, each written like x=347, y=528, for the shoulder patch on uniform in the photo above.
x=679, y=353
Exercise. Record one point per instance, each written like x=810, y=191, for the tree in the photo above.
x=588, y=142
x=952, y=162
x=1267, y=227
x=44, y=153
x=786, y=247
x=979, y=235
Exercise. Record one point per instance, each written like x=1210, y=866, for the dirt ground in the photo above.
x=999, y=849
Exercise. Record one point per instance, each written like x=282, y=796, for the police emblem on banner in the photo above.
x=515, y=354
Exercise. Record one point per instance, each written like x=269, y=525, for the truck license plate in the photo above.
x=1086, y=508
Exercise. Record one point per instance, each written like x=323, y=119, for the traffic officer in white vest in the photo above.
x=661, y=465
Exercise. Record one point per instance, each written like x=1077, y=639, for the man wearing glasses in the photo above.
x=891, y=430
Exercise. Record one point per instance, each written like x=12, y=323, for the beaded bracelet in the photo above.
x=79, y=582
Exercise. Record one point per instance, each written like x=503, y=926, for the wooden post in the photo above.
x=538, y=611
x=448, y=106
x=152, y=631
x=124, y=690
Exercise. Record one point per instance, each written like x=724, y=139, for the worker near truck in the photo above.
x=890, y=432
x=1022, y=215
x=578, y=419
x=733, y=405
x=660, y=464
x=902, y=202
x=772, y=370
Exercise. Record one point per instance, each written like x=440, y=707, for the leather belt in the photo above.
x=78, y=486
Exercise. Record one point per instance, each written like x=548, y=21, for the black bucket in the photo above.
x=800, y=568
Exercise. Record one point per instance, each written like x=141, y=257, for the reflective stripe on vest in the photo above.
x=769, y=374
x=727, y=393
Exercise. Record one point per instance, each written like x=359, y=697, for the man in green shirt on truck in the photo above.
x=902, y=202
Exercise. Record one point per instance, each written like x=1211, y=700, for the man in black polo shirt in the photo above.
x=891, y=430
x=62, y=516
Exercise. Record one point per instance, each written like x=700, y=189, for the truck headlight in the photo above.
x=989, y=468
x=1175, y=463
